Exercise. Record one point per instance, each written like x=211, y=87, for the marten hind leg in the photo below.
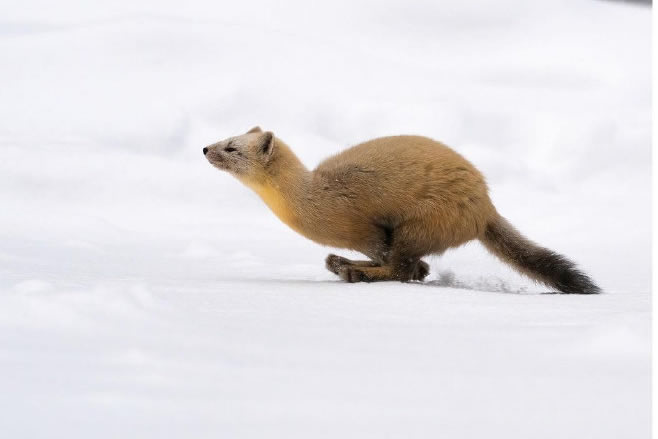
x=407, y=245
x=421, y=271
x=410, y=269
x=334, y=263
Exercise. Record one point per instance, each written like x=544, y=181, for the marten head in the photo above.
x=246, y=156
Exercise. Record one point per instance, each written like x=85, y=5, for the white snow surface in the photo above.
x=145, y=294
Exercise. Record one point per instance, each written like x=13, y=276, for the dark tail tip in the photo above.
x=564, y=275
x=537, y=262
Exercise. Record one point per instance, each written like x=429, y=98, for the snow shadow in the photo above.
x=447, y=278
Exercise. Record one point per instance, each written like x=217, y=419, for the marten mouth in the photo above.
x=218, y=163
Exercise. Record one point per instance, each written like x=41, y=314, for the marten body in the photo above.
x=394, y=199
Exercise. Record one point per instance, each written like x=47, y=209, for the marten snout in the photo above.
x=205, y=150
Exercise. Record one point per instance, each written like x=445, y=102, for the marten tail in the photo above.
x=536, y=262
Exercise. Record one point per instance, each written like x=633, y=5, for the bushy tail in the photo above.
x=536, y=262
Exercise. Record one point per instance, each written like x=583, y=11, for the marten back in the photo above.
x=409, y=178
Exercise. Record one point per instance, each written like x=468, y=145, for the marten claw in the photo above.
x=334, y=263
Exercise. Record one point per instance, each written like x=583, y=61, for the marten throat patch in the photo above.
x=277, y=203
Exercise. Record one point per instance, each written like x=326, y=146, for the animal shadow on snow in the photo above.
x=448, y=279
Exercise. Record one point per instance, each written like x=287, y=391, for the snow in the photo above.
x=143, y=293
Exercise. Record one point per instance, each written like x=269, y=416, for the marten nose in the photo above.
x=205, y=150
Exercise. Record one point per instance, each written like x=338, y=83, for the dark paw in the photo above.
x=421, y=271
x=334, y=263
x=351, y=274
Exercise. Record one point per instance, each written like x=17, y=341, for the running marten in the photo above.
x=394, y=199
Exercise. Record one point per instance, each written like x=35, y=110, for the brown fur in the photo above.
x=394, y=199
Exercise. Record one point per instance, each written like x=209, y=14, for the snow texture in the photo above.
x=145, y=294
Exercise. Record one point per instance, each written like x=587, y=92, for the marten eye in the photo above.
x=229, y=149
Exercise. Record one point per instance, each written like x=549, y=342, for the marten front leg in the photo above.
x=334, y=263
x=399, y=256
x=396, y=253
x=354, y=273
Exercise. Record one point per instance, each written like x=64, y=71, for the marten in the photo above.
x=394, y=199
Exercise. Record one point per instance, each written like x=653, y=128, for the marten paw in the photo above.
x=334, y=263
x=351, y=274
x=421, y=271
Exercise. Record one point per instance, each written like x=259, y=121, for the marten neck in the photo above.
x=287, y=172
x=286, y=186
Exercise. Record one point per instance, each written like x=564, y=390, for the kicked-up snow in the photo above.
x=143, y=293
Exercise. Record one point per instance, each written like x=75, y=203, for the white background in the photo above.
x=143, y=293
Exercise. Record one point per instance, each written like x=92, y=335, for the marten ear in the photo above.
x=267, y=143
x=255, y=129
